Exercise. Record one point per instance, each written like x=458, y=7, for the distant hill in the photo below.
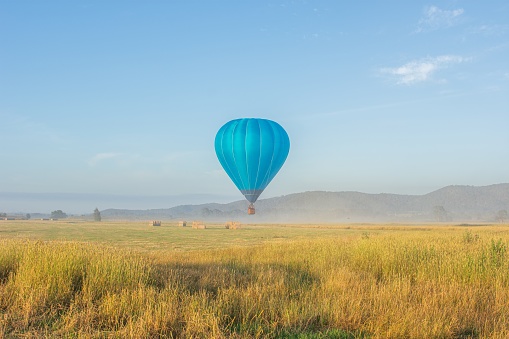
x=451, y=203
x=83, y=203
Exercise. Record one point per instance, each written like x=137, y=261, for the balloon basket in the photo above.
x=251, y=209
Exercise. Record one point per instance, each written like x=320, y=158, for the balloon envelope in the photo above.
x=251, y=152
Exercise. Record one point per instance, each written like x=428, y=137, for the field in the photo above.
x=77, y=279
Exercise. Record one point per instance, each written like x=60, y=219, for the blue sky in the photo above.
x=125, y=97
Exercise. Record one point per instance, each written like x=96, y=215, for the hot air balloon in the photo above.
x=251, y=152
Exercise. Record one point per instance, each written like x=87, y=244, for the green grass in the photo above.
x=96, y=280
x=168, y=237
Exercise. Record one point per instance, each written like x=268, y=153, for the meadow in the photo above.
x=78, y=279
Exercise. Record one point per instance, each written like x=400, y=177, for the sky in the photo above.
x=124, y=98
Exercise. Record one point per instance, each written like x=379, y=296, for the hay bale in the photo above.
x=182, y=223
x=199, y=225
x=232, y=225
x=156, y=223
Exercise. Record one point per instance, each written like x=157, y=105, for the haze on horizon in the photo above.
x=124, y=99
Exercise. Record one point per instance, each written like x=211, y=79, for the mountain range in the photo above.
x=451, y=203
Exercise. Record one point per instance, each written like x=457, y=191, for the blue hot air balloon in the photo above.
x=251, y=152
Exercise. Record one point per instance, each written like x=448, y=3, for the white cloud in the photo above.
x=421, y=70
x=21, y=128
x=435, y=18
x=102, y=156
x=490, y=30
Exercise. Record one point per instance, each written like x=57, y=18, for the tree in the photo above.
x=97, y=215
x=58, y=214
x=28, y=216
x=502, y=216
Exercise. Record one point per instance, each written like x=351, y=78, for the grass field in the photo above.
x=118, y=279
x=141, y=236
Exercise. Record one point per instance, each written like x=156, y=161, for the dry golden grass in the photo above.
x=381, y=282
